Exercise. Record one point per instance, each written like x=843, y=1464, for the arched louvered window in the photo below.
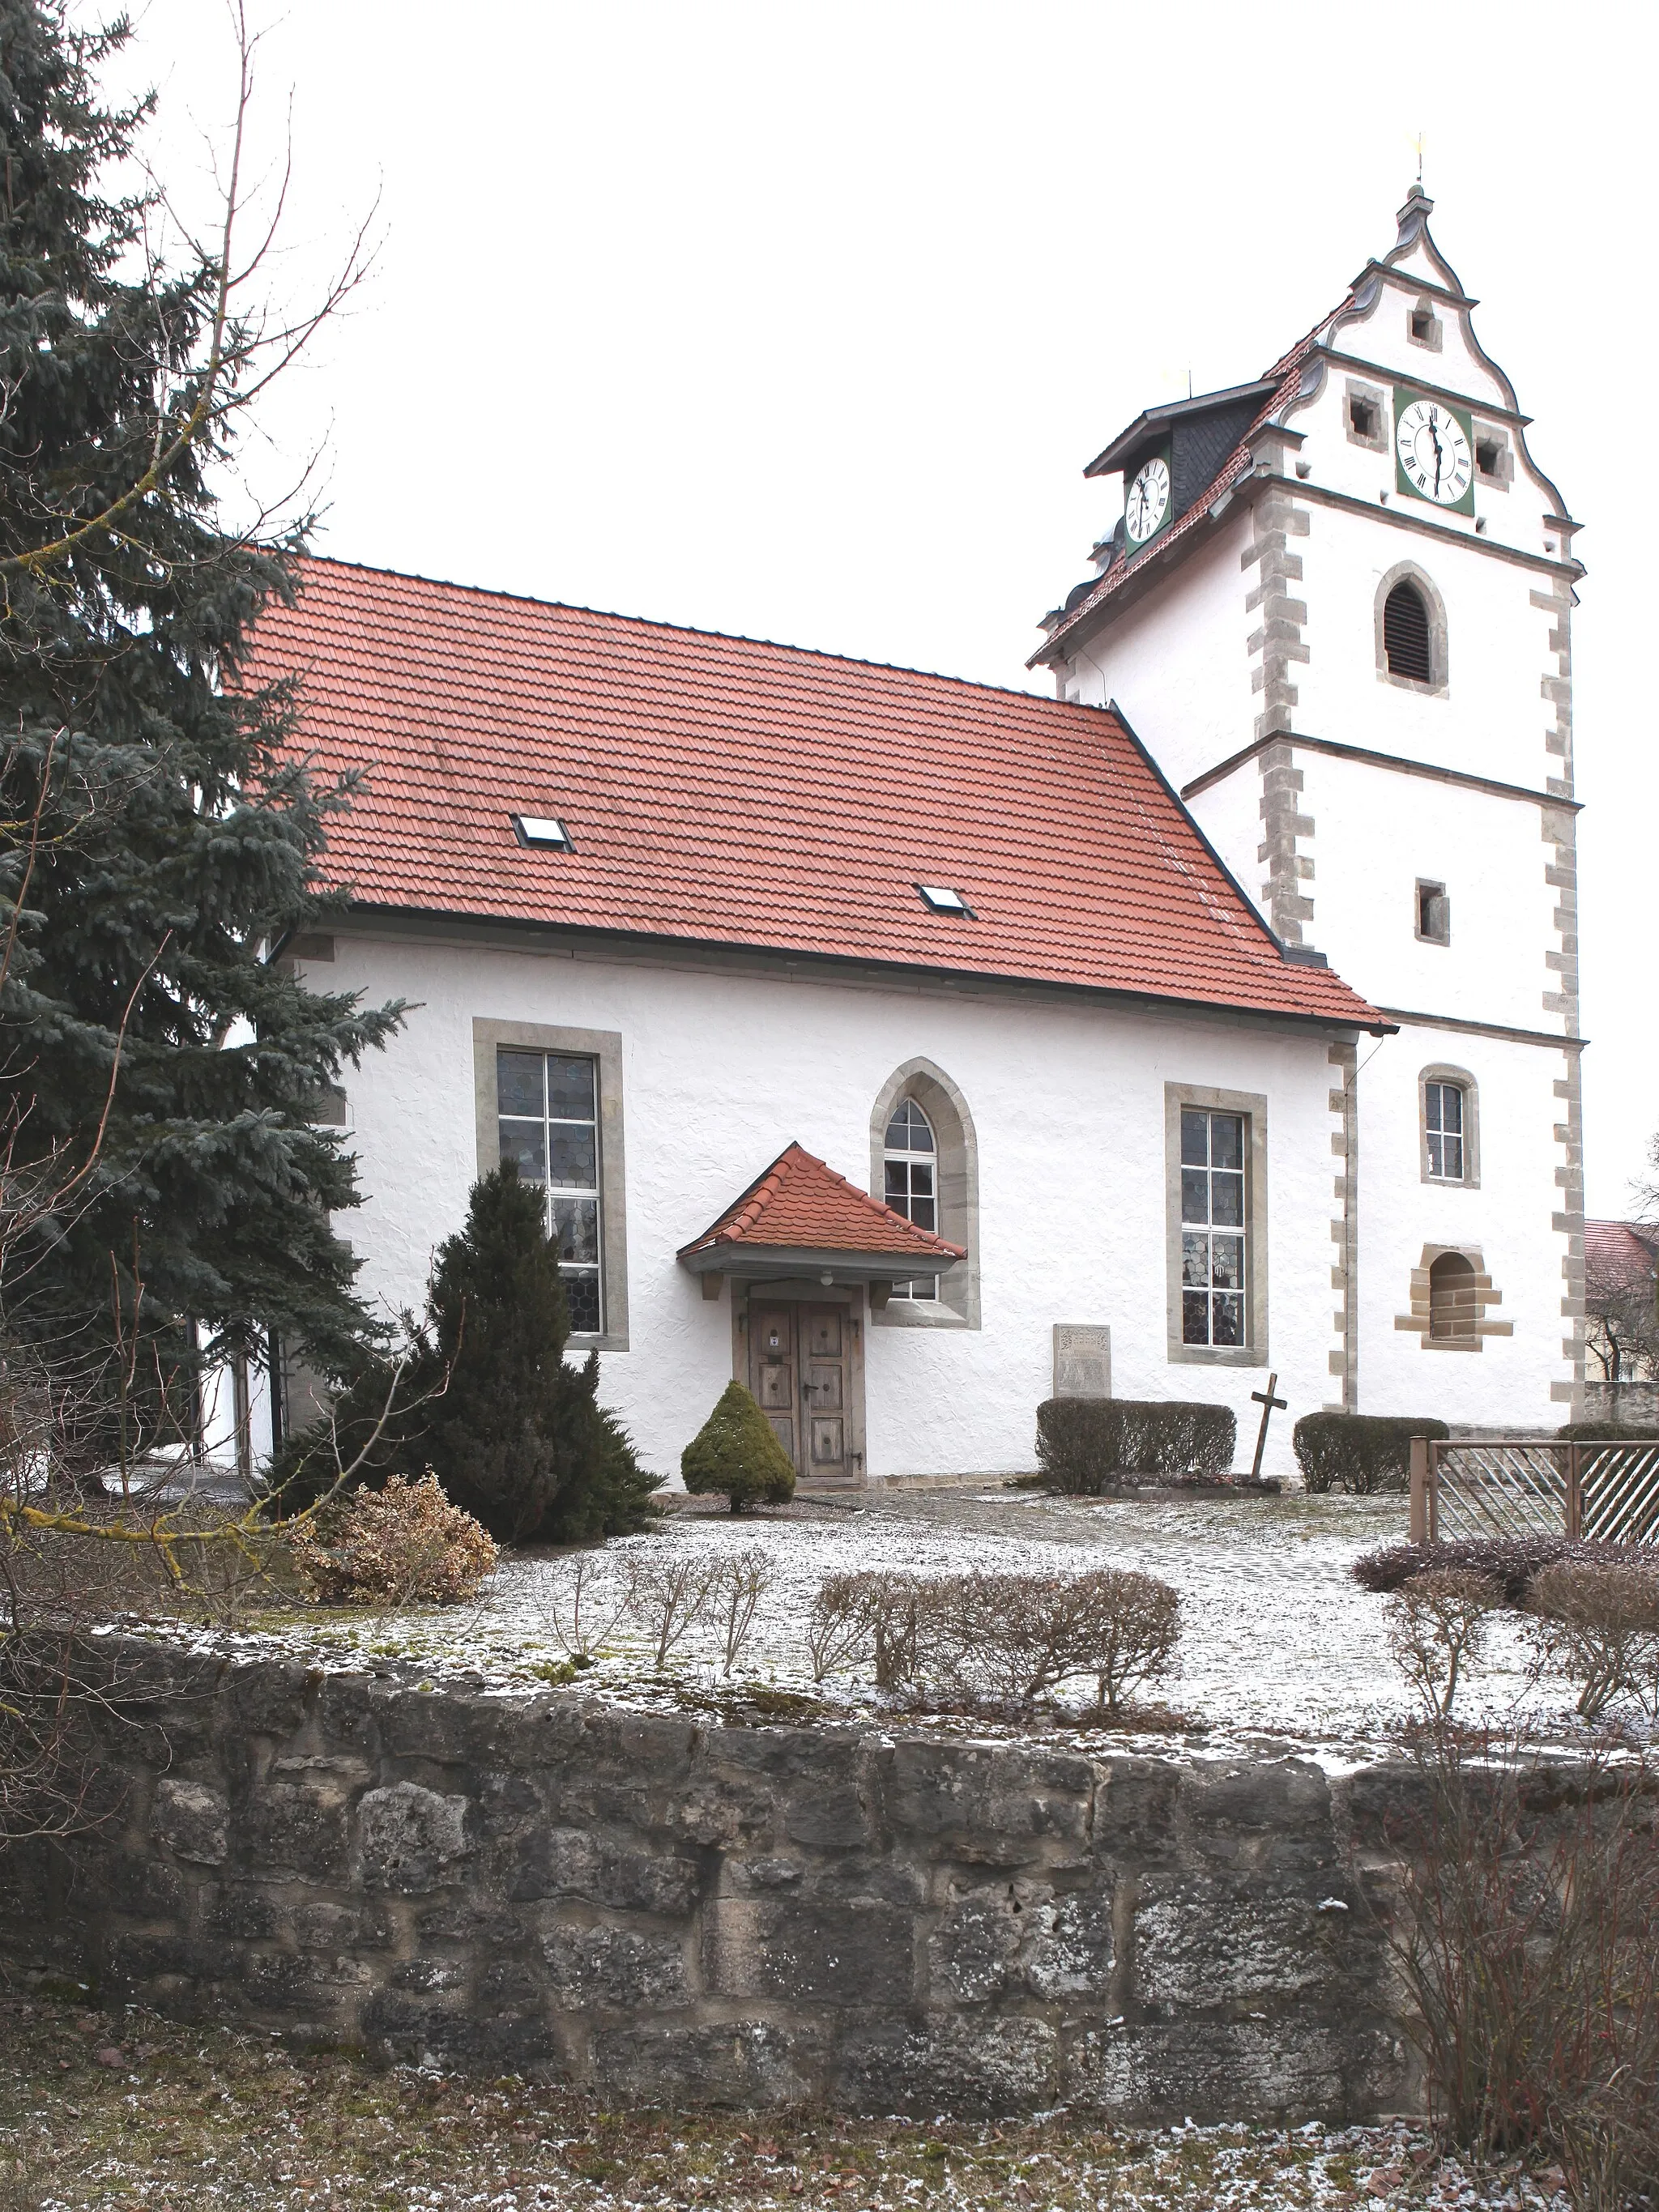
x=1453, y=1309
x=1405, y=634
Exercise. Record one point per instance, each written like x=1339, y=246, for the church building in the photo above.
x=912, y=1049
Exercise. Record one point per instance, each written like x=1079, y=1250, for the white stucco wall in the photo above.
x=720, y=1071
x=1508, y=1219
x=1179, y=665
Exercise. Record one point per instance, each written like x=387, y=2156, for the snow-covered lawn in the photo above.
x=1278, y=1641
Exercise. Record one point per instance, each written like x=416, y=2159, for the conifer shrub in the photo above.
x=404, y=1545
x=1085, y=1445
x=1366, y=1454
x=735, y=1451
x=487, y=1399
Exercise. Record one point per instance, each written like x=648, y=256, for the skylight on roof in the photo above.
x=942, y=900
x=542, y=830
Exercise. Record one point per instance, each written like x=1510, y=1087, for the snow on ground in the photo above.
x=1279, y=1643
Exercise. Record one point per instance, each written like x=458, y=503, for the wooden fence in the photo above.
x=1533, y=1485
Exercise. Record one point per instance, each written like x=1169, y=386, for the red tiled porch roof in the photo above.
x=800, y=1204
x=726, y=792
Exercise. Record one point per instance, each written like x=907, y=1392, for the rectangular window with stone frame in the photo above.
x=549, y=1100
x=1216, y=1175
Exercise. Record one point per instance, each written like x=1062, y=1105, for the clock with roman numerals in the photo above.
x=1435, y=452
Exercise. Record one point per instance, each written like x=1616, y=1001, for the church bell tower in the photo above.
x=1336, y=607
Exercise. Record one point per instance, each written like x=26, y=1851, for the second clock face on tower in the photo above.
x=1147, y=501
x=1432, y=446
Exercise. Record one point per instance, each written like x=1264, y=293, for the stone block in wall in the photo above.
x=813, y=1950
x=1136, y=1808
x=973, y=2064
x=320, y=1925
x=1286, y=2069
x=237, y=1913
x=599, y=1969
x=146, y=1887
x=1245, y=1816
x=299, y=1827
x=567, y=1863
x=1017, y=1939
x=192, y=1820
x=998, y=1806
x=1202, y=1942
x=409, y=1837
x=270, y=1700
x=758, y=2063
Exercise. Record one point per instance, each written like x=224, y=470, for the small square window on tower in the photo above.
x=1433, y=914
x=1363, y=418
x=1423, y=326
x=1492, y=457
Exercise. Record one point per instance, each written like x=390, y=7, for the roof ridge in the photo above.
x=690, y=629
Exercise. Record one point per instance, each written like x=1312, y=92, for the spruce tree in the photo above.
x=487, y=1402
x=158, y=844
x=735, y=1450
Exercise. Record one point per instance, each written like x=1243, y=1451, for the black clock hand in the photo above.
x=1439, y=459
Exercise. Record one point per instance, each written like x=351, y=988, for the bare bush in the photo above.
x=580, y=1599
x=1600, y=1627
x=404, y=1545
x=740, y=1583
x=1024, y=1635
x=838, y=1627
x=1134, y=1627
x=668, y=1593
x=1437, y=1629
x=1529, y=1946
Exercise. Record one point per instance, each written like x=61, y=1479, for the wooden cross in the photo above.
x=1266, y=1400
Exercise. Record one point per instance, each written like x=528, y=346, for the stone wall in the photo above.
x=676, y=1910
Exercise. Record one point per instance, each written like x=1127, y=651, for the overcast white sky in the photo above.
x=801, y=321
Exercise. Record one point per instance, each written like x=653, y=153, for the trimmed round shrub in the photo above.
x=735, y=1451
x=1084, y=1445
x=1362, y=1453
x=402, y=1545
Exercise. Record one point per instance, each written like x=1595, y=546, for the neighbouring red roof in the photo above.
x=800, y=1204
x=1620, y=1259
x=734, y=793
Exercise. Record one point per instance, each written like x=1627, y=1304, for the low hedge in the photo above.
x=1084, y=1445
x=1514, y=1562
x=1364, y=1452
x=1609, y=1432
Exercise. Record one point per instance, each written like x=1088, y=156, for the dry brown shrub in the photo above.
x=404, y=1545
x=1023, y=1635
x=668, y=1593
x=838, y=1624
x=1437, y=1629
x=740, y=1582
x=1600, y=1627
x=1529, y=1945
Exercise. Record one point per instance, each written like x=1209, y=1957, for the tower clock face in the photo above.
x=1433, y=449
x=1148, y=501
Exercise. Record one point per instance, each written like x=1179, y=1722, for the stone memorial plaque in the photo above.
x=1083, y=1360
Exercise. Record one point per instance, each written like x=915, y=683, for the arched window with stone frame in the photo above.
x=924, y=1155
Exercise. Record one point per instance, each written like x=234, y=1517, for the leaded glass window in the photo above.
x=1212, y=1227
x=548, y=1103
x=1443, y=1108
x=912, y=1168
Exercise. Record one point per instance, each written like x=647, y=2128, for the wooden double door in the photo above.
x=801, y=1373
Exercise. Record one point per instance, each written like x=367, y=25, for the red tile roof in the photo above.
x=1287, y=377
x=801, y=1205
x=734, y=793
x=1620, y=1259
